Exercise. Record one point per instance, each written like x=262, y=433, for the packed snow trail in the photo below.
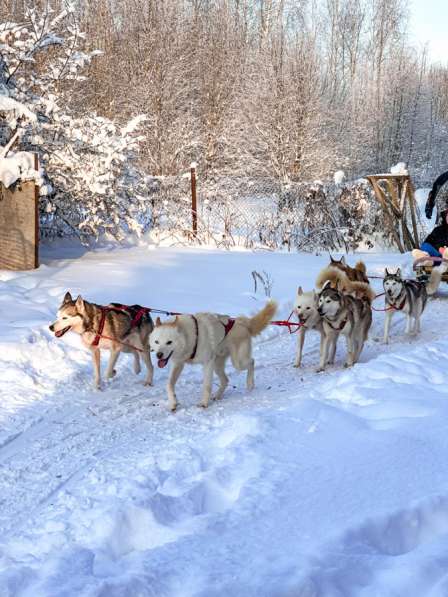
x=312, y=485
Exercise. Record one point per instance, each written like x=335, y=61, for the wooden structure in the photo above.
x=19, y=226
x=395, y=194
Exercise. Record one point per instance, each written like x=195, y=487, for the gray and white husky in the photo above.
x=408, y=296
x=208, y=339
x=343, y=314
x=119, y=334
x=305, y=307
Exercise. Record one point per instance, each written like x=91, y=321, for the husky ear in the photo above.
x=67, y=298
x=80, y=304
x=299, y=290
x=331, y=259
x=387, y=272
x=158, y=322
x=327, y=284
x=398, y=272
x=343, y=260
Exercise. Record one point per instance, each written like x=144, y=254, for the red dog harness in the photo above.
x=137, y=316
x=227, y=327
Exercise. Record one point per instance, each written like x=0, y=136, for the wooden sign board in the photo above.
x=19, y=227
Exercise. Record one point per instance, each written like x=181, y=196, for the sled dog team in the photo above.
x=341, y=306
x=208, y=339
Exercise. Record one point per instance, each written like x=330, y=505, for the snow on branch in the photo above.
x=91, y=183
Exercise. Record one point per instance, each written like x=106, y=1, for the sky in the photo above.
x=429, y=23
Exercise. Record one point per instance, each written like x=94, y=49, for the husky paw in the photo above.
x=173, y=407
x=297, y=365
x=203, y=405
x=147, y=383
x=319, y=369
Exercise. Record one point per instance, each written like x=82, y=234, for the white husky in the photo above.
x=208, y=339
x=305, y=307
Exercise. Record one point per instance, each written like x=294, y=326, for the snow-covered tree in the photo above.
x=93, y=185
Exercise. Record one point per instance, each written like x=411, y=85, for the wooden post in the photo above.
x=381, y=197
x=412, y=205
x=194, y=213
x=19, y=227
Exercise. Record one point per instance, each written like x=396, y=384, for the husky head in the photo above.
x=166, y=340
x=69, y=316
x=330, y=301
x=305, y=306
x=392, y=283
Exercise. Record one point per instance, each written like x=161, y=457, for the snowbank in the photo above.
x=330, y=484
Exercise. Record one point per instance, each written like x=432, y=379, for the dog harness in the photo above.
x=400, y=307
x=338, y=328
x=193, y=354
x=227, y=327
x=99, y=333
x=136, y=313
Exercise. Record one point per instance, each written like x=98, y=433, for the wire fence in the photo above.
x=264, y=212
x=254, y=212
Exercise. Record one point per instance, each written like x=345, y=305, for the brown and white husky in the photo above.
x=120, y=333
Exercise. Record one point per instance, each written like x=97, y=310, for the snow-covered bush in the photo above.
x=92, y=184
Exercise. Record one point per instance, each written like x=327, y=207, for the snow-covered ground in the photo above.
x=331, y=485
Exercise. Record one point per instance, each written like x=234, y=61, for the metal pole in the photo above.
x=194, y=213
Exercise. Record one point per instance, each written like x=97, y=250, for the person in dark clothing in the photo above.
x=437, y=240
x=432, y=196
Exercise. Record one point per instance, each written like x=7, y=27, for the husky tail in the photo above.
x=261, y=320
x=361, y=267
x=335, y=276
x=361, y=290
x=435, y=278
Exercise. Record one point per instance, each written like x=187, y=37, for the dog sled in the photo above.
x=423, y=266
